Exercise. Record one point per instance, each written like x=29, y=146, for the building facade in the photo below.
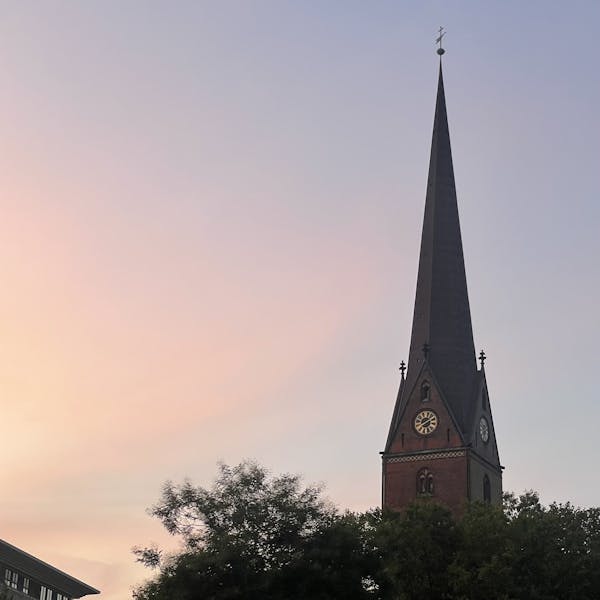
x=441, y=443
x=26, y=577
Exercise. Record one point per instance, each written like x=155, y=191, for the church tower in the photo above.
x=441, y=442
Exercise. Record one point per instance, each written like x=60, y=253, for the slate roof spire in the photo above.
x=442, y=317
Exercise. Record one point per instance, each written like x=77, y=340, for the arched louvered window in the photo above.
x=425, y=391
x=425, y=483
x=487, y=493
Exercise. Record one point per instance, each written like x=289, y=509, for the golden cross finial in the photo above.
x=438, y=41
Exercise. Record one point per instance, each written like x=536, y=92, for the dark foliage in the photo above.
x=256, y=536
x=4, y=593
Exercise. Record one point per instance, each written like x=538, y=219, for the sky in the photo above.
x=209, y=234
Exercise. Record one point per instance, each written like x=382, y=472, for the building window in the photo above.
x=11, y=578
x=425, y=390
x=45, y=593
x=26, y=585
x=424, y=483
x=487, y=494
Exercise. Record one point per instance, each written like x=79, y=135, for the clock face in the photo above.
x=484, y=429
x=426, y=422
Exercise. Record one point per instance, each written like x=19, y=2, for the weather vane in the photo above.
x=438, y=41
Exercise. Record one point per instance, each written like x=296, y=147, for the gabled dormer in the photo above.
x=424, y=419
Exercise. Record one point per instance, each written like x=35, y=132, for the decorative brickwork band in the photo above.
x=432, y=456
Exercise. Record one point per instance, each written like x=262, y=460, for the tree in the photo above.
x=414, y=551
x=521, y=551
x=254, y=536
x=554, y=551
x=481, y=568
x=4, y=593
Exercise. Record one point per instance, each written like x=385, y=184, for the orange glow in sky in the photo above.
x=209, y=230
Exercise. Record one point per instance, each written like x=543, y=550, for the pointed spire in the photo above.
x=442, y=317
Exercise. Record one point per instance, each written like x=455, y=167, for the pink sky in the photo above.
x=209, y=241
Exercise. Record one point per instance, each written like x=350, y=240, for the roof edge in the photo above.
x=38, y=562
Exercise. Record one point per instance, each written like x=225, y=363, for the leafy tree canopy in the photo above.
x=253, y=535
x=4, y=593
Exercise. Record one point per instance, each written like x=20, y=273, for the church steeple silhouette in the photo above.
x=441, y=441
x=442, y=318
